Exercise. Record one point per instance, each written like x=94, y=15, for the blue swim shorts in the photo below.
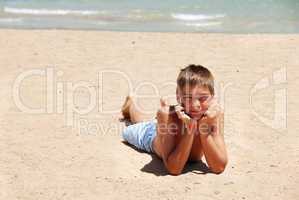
x=141, y=135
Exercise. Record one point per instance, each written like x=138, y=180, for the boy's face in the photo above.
x=194, y=99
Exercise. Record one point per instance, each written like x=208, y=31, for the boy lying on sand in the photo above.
x=183, y=132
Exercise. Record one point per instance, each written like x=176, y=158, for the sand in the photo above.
x=58, y=153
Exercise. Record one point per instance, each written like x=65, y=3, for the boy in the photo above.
x=187, y=131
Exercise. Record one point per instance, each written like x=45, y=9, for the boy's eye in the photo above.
x=202, y=99
x=187, y=98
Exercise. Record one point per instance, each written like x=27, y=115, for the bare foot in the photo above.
x=125, y=109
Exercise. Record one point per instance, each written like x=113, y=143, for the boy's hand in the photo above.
x=182, y=115
x=208, y=123
x=214, y=109
x=163, y=116
x=190, y=123
x=163, y=110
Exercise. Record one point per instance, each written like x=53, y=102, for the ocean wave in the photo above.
x=196, y=17
x=10, y=20
x=204, y=24
x=28, y=11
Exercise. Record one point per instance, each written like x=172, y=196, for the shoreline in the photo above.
x=150, y=32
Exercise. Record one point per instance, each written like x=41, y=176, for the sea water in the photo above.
x=224, y=16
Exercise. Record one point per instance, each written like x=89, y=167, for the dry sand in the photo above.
x=48, y=156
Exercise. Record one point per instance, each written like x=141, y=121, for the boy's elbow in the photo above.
x=219, y=168
x=174, y=171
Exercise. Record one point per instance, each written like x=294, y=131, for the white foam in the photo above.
x=28, y=11
x=196, y=17
x=204, y=24
x=10, y=20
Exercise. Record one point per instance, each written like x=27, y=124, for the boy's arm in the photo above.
x=174, y=156
x=212, y=141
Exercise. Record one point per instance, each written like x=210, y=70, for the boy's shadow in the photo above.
x=156, y=166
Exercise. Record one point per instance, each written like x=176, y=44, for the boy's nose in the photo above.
x=195, y=105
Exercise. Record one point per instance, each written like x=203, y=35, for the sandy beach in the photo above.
x=61, y=92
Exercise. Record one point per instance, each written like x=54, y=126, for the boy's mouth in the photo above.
x=196, y=114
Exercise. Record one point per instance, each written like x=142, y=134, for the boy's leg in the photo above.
x=141, y=133
x=130, y=111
